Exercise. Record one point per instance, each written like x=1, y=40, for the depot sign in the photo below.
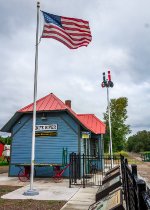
x=52, y=127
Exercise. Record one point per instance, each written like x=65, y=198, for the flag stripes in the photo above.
x=64, y=37
x=75, y=36
x=71, y=32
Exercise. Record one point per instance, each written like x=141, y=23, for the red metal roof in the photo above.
x=52, y=103
x=47, y=103
x=92, y=123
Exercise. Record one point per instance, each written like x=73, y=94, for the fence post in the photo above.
x=141, y=187
x=83, y=171
x=70, y=170
x=134, y=169
x=75, y=168
x=126, y=193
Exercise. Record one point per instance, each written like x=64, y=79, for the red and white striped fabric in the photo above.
x=72, y=32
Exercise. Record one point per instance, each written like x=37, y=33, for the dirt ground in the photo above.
x=143, y=168
x=4, y=169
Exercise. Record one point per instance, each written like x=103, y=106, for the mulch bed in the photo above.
x=6, y=204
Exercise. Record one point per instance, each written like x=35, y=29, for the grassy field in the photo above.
x=6, y=204
x=4, y=163
x=134, y=161
x=132, y=158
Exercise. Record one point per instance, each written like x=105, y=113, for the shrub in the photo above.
x=123, y=153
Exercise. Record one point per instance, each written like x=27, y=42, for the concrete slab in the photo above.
x=76, y=206
x=82, y=199
x=47, y=191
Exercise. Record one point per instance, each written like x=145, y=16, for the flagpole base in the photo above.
x=31, y=192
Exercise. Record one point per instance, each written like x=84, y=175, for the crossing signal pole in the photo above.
x=108, y=83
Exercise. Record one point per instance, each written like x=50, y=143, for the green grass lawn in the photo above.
x=3, y=162
x=134, y=161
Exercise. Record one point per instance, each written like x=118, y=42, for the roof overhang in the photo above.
x=7, y=127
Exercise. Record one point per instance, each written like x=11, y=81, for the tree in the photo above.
x=118, y=113
x=139, y=142
x=5, y=140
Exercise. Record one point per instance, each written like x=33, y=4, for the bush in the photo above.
x=123, y=153
x=3, y=162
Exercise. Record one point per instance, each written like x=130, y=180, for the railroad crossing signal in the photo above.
x=107, y=82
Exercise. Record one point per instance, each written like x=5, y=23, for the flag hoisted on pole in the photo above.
x=72, y=32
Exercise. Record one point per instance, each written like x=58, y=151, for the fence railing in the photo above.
x=88, y=170
x=136, y=192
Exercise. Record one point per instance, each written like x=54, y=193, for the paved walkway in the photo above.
x=82, y=199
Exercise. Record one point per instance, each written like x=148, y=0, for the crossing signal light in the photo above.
x=107, y=82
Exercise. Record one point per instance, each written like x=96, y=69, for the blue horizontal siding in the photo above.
x=47, y=149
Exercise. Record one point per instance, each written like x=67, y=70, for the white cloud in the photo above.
x=120, y=31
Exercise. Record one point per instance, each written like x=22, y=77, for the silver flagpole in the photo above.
x=32, y=191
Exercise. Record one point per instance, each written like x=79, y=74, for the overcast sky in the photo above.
x=121, y=43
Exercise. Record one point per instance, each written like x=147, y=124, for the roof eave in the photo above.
x=7, y=127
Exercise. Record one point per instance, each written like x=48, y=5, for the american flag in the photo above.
x=72, y=32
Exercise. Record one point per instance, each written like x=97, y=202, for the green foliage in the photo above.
x=123, y=153
x=5, y=163
x=118, y=112
x=6, y=140
x=145, y=153
x=139, y=142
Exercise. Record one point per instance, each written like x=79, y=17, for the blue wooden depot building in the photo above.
x=59, y=132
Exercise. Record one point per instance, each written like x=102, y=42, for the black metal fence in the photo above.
x=88, y=170
x=136, y=193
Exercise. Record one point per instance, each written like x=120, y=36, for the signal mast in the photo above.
x=108, y=83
